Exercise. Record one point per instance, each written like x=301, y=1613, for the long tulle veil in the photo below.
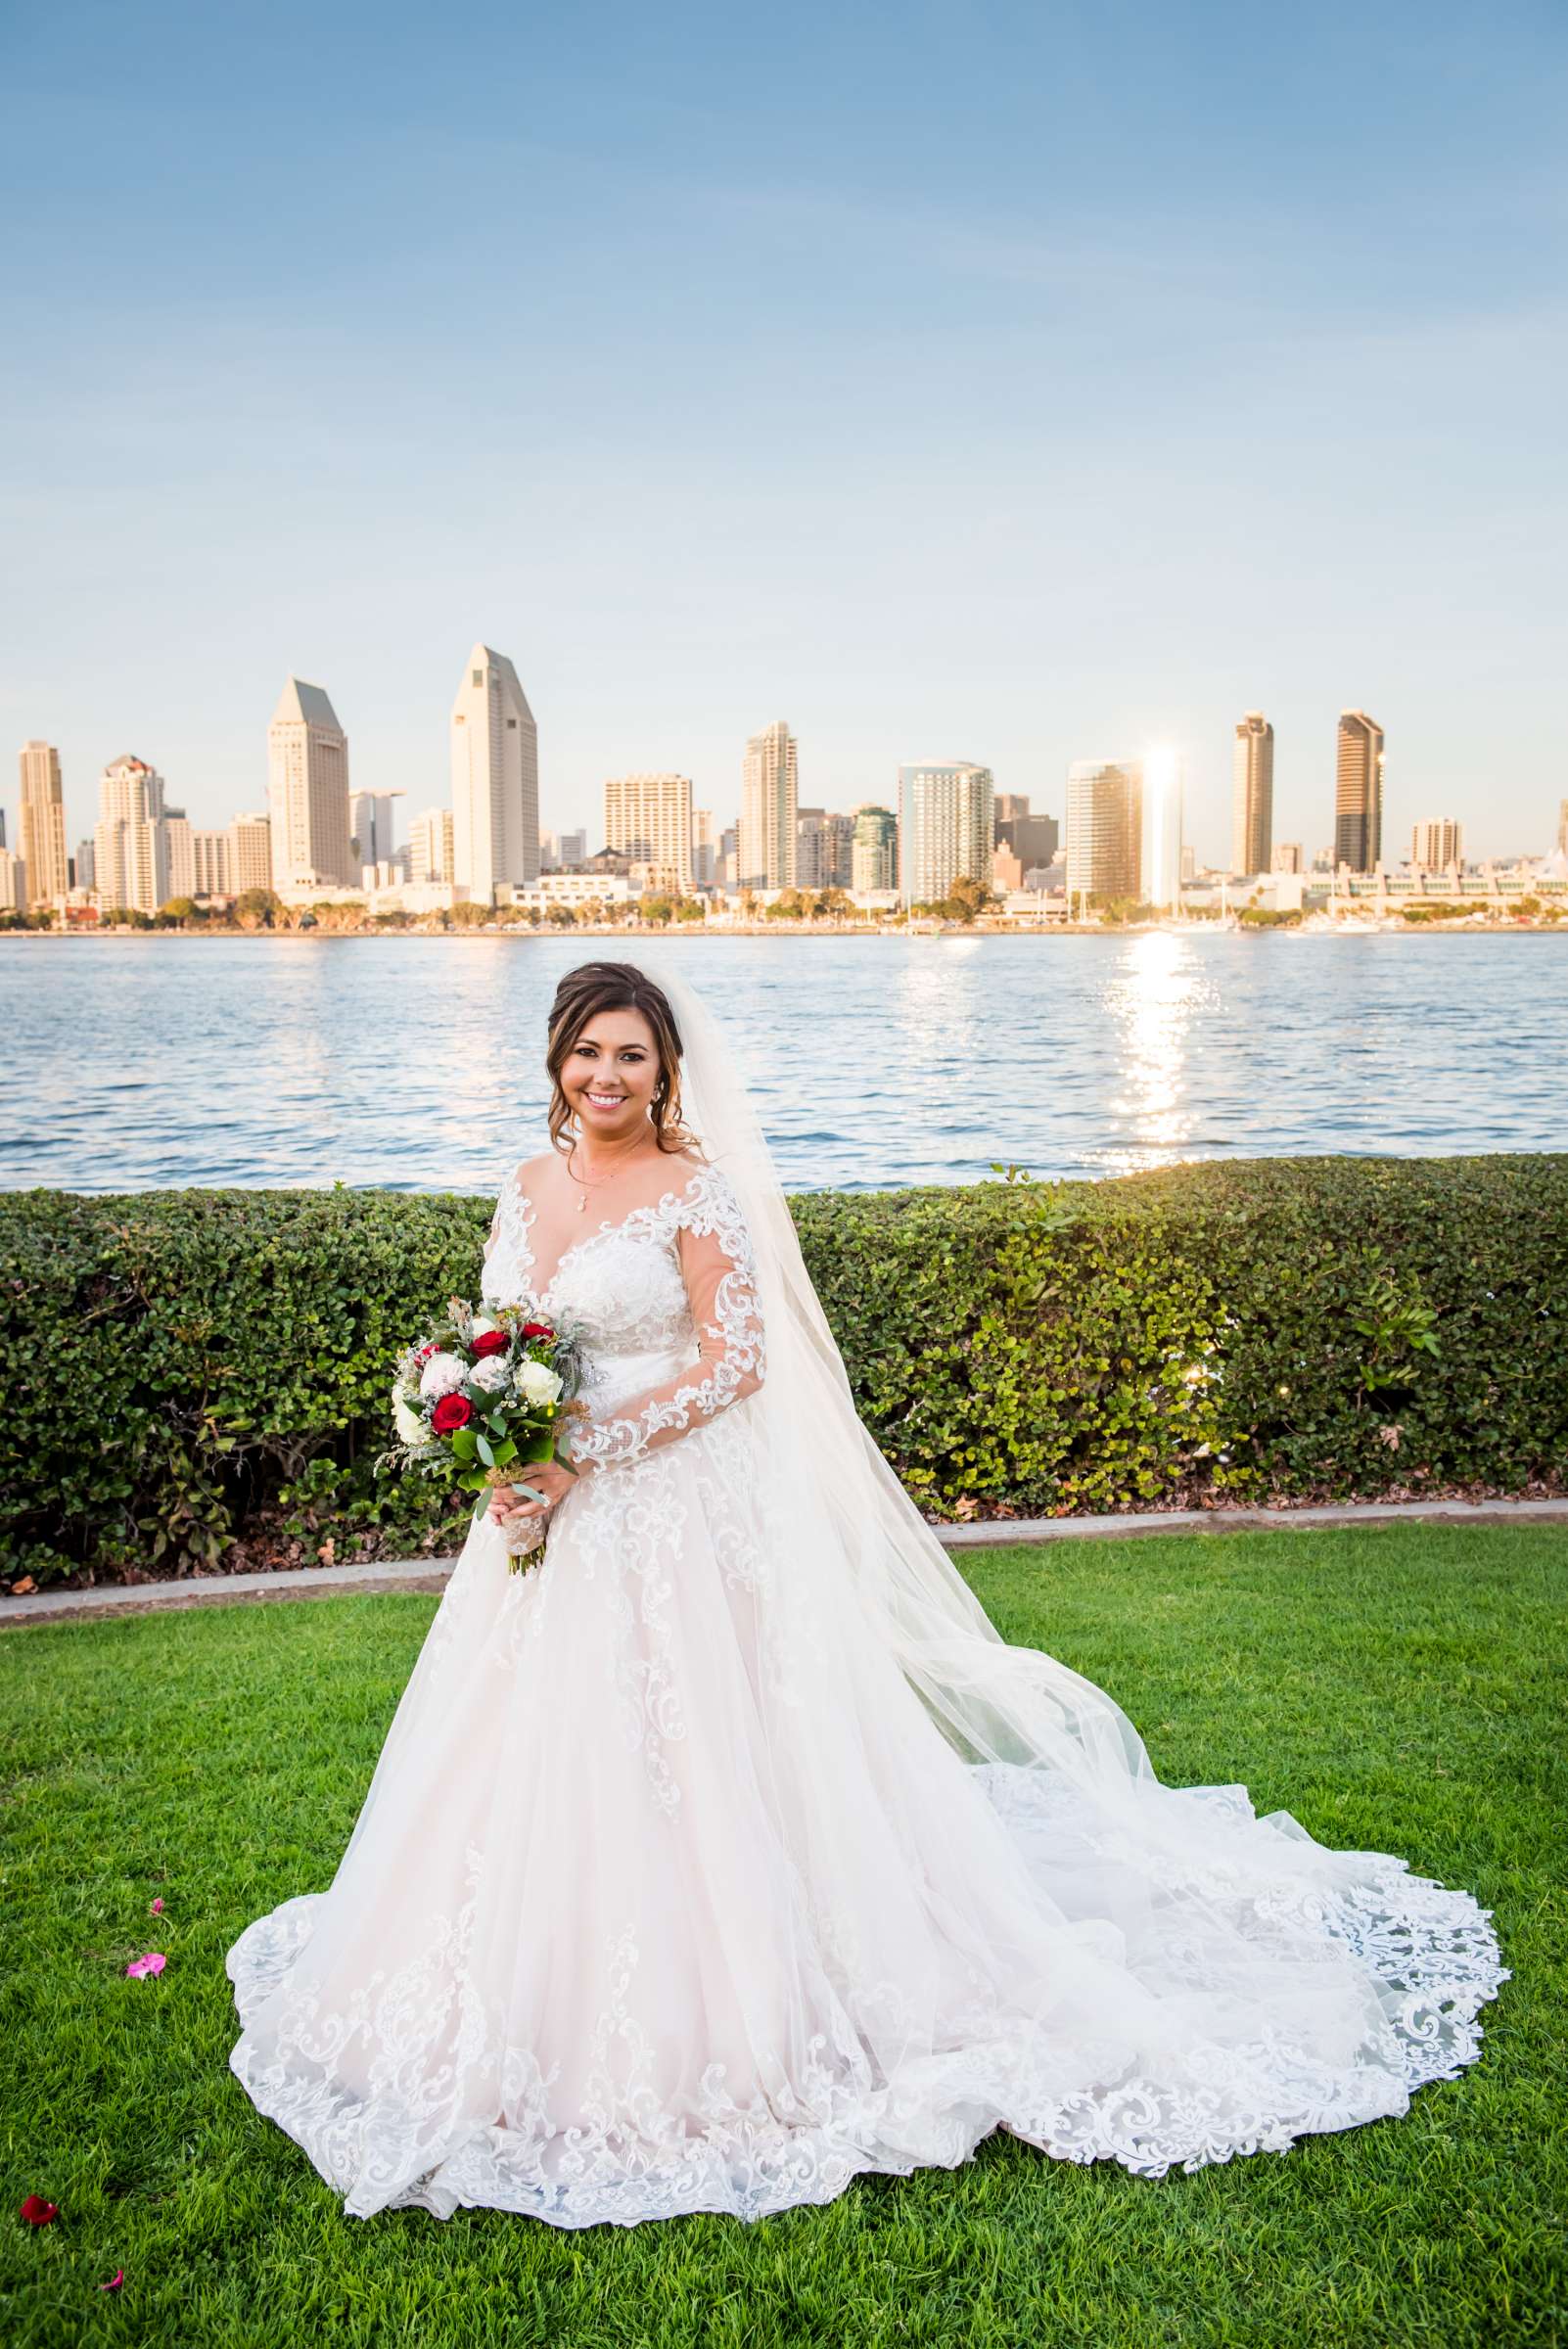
x=995, y=1702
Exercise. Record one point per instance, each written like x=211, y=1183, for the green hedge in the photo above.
x=197, y=1377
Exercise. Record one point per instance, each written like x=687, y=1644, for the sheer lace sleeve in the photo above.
x=721, y=1275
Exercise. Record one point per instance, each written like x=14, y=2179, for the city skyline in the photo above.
x=1266, y=419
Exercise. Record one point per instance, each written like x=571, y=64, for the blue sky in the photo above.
x=1018, y=384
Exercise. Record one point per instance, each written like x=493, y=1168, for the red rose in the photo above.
x=37, y=2212
x=451, y=1412
x=491, y=1341
x=537, y=1329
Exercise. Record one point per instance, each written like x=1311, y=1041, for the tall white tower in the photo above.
x=130, y=843
x=770, y=805
x=495, y=780
x=307, y=792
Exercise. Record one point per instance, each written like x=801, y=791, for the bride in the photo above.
x=727, y=1851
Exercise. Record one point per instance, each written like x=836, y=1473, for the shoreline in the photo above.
x=1510, y=926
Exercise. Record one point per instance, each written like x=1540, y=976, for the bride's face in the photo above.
x=610, y=1074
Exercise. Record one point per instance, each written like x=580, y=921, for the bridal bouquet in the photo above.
x=480, y=1397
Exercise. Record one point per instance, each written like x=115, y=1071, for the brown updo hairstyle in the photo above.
x=595, y=987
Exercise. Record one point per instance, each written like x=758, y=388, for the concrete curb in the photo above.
x=432, y=1573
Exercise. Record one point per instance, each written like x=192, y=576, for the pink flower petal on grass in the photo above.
x=157, y=1910
x=115, y=2282
x=152, y=1963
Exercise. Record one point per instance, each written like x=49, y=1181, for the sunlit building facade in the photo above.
x=946, y=829
x=1105, y=828
x=1252, y=796
x=1359, y=793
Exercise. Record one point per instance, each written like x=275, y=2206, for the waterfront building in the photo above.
x=1105, y=828
x=1563, y=827
x=13, y=883
x=307, y=792
x=874, y=855
x=41, y=833
x=82, y=863
x=769, y=803
x=647, y=817
x=1437, y=844
x=705, y=849
x=1289, y=856
x=370, y=828
x=824, y=849
x=1251, y=795
x=495, y=780
x=729, y=856
x=130, y=842
x=1160, y=862
x=251, y=851
x=1359, y=793
x=181, y=854
x=430, y=846
x=947, y=828
x=1033, y=839
x=213, y=865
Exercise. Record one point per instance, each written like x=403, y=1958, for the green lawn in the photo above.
x=1396, y=1688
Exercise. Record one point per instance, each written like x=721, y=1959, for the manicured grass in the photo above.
x=1396, y=1688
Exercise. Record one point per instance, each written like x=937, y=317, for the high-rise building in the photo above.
x=824, y=846
x=1033, y=839
x=1105, y=828
x=946, y=829
x=251, y=851
x=370, y=828
x=130, y=844
x=1289, y=858
x=85, y=869
x=13, y=883
x=181, y=854
x=874, y=859
x=1359, y=793
x=1252, y=796
x=770, y=805
x=495, y=780
x=430, y=846
x=648, y=819
x=729, y=856
x=1437, y=844
x=1562, y=828
x=307, y=792
x=704, y=849
x=1009, y=806
x=212, y=865
x=1159, y=863
x=41, y=842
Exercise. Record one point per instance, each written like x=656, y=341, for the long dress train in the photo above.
x=668, y=1893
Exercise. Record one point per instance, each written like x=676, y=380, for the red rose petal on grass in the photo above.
x=115, y=2282
x=156, y=1908
x=37, y=2212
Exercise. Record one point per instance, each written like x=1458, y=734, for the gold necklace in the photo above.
x=586, y=1188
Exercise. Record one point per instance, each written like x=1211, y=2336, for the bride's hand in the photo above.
x=545, y=1476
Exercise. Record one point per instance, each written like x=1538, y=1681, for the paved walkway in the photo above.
x=430, y=1574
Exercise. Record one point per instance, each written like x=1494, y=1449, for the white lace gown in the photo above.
x=668, y=1896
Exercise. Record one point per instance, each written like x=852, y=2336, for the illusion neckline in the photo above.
x=608, y=1229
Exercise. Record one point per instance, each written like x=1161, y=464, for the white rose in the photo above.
x=442, y=1374
x=411, y=1429
x=490, y=1375
x=536, y=1383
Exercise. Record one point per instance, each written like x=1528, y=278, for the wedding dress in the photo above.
x=729, y=1852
